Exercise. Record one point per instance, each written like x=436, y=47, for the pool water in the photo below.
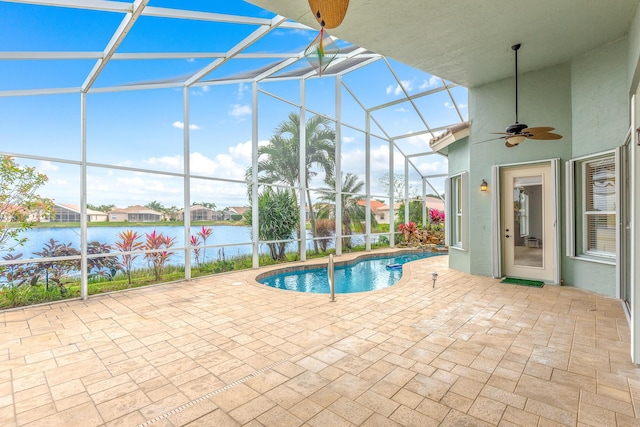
x=365, y=275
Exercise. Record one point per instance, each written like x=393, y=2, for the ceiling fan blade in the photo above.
x=537, y=130
x=545, y=136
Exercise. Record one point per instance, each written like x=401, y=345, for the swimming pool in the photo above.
x=359, y=275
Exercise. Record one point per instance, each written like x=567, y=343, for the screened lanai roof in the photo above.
x=199, y=43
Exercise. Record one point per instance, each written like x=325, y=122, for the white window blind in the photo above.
x=599, y=207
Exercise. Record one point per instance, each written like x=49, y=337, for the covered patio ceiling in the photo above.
x=469, y=42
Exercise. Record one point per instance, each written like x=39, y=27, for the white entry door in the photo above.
x=528, y=222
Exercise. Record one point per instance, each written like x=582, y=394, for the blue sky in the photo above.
x=143, y=128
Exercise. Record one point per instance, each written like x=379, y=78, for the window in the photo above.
x=599, y=207
x=455, y=218
x=592, y=214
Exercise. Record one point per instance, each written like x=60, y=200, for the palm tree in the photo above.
x=280, y=158
x=353, y=213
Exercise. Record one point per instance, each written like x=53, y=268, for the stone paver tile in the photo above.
x=83, y=414
x=400, y=376
x=312, y=364
x=456, y=401
x=7, y=416
x=307, y=383
x=444, y=376
x=81, y=369
x=201, y=386
x=595, y=416
x=36, y=413
x=488, y=410
x=558, y=395
x=350, y=410
x=354, y=345
x=28, y=382
x=385, y=388
x=289, y=369
x=277, y=416
x=114, y=392
x=427, y=387
x=284, y=396
x=520, y=417
x=553, y=413
x=614, y=393
x=131, y=419
x=377, y=420
x=352, y=364
x=377, y=403
x=467, y=387
x=191, y=413
x=234, y=397
x=217, y=418
x=64, y=390
x=350, y=386
x=456, y=418
x=572, y=379
x=325, y=396
x=409, y=418
x=74, y=400
x=252, y=409
x=327, y=418
x=607, y=403
x=407, y=398
x=626, y=421
x=504, y=396
x=433, y=409
x=329, y=355
x=123, y=405
x=306, y=409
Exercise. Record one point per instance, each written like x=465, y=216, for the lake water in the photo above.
x=222, y=235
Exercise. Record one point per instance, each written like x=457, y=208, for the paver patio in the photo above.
x=225, y=351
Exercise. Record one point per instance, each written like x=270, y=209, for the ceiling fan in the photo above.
x=518, y=132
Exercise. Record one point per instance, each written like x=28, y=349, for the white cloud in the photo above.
x=402, y=110
x=191, y=59
x=450, y=105
x=241, y=88
x=348, y=139
x=397, y=90
x=180, y=125
x=432, y=82
x=172, y=163
x=200, y=91
x=239, y=111
x=47, y=166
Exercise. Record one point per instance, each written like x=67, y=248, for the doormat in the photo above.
x=523, y=282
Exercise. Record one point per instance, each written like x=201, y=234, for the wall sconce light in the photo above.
x=484, y=186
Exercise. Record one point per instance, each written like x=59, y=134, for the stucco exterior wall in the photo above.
x=586, y=100
x=544, y=100
x=600, y=105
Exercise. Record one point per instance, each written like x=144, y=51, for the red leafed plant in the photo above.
x=195, y=242
x=157, y=259
x=437, y=217
x=408, y=231
x=129, y=243
x=205, y=233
